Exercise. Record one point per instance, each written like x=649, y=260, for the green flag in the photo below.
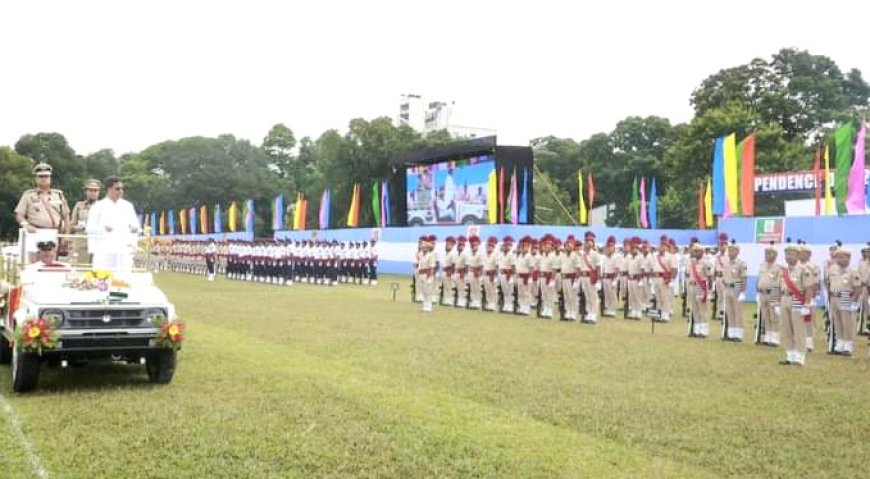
x=635, y=203
x=844, y=142
x=376, y=203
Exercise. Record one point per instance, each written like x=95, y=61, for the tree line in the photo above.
x=791, y=101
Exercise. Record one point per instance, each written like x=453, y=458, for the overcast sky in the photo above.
x=125, y=75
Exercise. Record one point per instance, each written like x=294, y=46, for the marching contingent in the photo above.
x=281, y=262
x=584, y=280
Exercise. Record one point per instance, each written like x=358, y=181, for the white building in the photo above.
x=434, y=116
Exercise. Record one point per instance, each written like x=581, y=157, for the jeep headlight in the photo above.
x=53, y=316
x=156, y=316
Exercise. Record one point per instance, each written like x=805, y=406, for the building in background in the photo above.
x=433, y=116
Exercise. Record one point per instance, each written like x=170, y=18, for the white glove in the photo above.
x=598, y=286
x=551, y=284
x=575, y=285
x=854, y=308
x=803, y=310
x=613, y=283
x=777, y=310
x=455, y=276
x=741, y=297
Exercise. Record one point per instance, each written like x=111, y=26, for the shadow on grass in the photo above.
x=92, y=376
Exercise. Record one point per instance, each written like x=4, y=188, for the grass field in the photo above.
x=308, y=381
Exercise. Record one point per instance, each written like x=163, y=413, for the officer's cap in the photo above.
x=41, y=167
x=93, y=184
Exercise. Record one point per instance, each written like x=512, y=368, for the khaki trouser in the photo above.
x=699, y=305
x=720, y=296
x=489, y=281
x=792, y=327
x=635, y=294
x=610, y=299
x=524, y=288
x=661, y=291
x=570, y=296
x=535, y=288
x=769, y=321
x=843, y=321
x=474, y=283
x=548, y=294
x=591, y=293
x=507, y=291
x=427, y=282
x=733, y=311
x=448, y=286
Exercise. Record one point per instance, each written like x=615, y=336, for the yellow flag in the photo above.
x=492, y=197
x=581, y=202
x=708, y=204
x=233, y=216
x=829, y=196
x=732, y=193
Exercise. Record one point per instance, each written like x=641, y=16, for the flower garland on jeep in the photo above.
x=36, y=335
x=99, y=279
x=171, y=333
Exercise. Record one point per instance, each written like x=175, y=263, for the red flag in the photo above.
x=747, y=176
x=702, y=223
x=591, y=189
x=817, y=176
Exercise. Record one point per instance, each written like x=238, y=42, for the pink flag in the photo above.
x=643, y=219
x=515, y=217
x=855, y=198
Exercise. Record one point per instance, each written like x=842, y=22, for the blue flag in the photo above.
x=653, y=206
x=154, y=229
x=719, y=177
x=524, y=203
x=191, y=220
x=249, y=215
x=218, y=227
x=171, y=222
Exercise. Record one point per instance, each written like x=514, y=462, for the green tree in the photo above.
x=15, y=177
x=68, y=169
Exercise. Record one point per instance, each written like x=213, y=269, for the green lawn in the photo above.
x=308, y=381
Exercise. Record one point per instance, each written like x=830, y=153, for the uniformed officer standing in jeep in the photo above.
x=43, y=207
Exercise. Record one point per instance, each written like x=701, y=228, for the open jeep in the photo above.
x=61, y=315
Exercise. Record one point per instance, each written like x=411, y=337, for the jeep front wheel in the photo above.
x=161, y=366
x=25, y=371
x=5, y=350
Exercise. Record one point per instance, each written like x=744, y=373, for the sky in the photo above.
x=128, y=74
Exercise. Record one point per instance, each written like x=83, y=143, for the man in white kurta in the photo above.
x=113, y=228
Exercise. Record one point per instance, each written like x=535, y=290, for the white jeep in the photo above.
x=92, y=315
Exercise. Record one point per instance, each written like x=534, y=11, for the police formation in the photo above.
x=581, y=280
x=273, y=261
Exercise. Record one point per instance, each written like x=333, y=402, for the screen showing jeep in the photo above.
x=450, y=192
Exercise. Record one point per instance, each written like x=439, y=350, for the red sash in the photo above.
x=593, y=272
x=791, y=286
x=666, y=272
x=701, y=282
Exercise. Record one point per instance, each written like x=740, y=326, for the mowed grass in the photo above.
x=309, y=381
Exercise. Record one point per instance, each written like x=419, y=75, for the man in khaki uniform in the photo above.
x=506, y=269
x=622, y=261
x=610, y=277
x=79, y=219
x=475, y=268
x=698, y=282
x=548, y=277
x=864, y=273
x=569, y=261
x=634, y=266
x=663, y=268
x=490, y=273
x=524, y=275
x=448, y=263
x=734, y=292
x=426, y=272
x=418, y=258
x=42, y=208
x=718, y=271
x=805, y=254
x=844, y=285
x=590, y=267
x=768, y=291
x=460, y=276
x=535, y=290
x=796, y=285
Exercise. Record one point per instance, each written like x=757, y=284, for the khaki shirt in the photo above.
x=864, y=272
x=506, y=260
x=459, y=260
x=475, y=259
x=588, y=262
x=635, y=266
x=843, y=280
x=426, y=262
x=524, y=264
x=703, y=269
x=610, y=265
x=547, y=261
x=734, y=271
x=490, y=261
x=668, y=260
x=800, y=276
x=43, y=210
x=768, y=277
x=568, y=262
x=80, y=215
x=813, y=272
